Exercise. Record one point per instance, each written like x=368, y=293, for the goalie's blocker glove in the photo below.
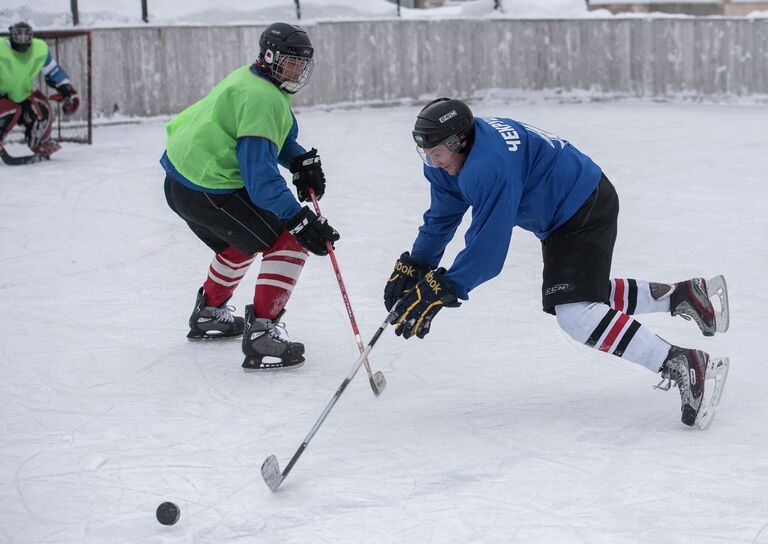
x=416, y=310
x=67, y=95
x=308, y=173
x=407, y=273
x=312, y=231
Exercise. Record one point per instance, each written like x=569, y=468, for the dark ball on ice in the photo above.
x=168, y=513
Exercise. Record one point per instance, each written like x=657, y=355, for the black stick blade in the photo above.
x=270, y=471
x=18, y=161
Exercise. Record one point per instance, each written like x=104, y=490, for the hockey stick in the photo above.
x=270, y=469
x=377, y=380
x=17, y=161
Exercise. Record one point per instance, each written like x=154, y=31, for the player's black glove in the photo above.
x=312, y=231
x=308, y=172
x=67, y=95
x=414, y=314
x=405, y=276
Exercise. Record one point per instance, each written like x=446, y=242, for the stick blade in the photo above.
x=378, y=383
x=10, y=160
x=270, y=471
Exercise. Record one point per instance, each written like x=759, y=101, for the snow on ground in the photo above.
x=57, y=14
x=95, y=13
x=495, y=428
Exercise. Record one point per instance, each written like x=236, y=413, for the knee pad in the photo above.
x=10, y=112
x=37, y=117
x=287, y=242
x=579, y=319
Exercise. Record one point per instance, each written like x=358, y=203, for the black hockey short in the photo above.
x=578, y=254
x=223, y=220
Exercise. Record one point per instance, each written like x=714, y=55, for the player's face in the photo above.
x=21, y=38
x=442, y=157
x=291, y=68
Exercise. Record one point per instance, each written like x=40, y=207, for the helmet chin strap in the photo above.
x=266, y=71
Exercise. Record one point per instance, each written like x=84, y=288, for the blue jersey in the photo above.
x=514, y=175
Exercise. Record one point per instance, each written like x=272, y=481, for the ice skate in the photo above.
x=692, y=299
x=266, y=345
x=700, y=380
x=212, y=322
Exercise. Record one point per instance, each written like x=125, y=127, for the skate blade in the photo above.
x=270, y=471
x=716, y=287
x=194, y=335
x=260, y=364
x=714, y=380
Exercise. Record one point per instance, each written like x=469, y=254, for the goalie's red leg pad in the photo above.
x=226, y=270
x=46, y=148
x=281, y=266
x=10, y=112
x=38, y=120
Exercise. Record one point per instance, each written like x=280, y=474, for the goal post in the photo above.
x=73, y=50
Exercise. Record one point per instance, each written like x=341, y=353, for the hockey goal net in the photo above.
x=72, y=50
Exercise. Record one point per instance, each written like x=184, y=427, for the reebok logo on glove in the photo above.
x=433, y=283
x=405, y=269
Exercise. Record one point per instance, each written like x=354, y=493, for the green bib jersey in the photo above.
x=19, y=70
x=202, y=139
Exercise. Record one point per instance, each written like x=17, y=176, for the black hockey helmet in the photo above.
x=444, y=121
x=285, y=53
x=21, y=36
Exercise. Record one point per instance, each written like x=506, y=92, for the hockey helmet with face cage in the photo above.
x=285, y=53
x=20, y=36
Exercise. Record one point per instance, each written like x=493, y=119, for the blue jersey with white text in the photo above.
x=514, y=175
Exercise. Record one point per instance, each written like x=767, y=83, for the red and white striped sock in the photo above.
x=224, y=275
x=611, y=331
x=634, y=297
x=281, y=266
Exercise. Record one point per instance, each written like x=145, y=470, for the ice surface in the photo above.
x=495, y=428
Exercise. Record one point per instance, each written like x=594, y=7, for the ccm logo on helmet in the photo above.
x=450, y=115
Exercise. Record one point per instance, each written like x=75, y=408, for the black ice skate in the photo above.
x=691, y=299
x=211, y=322
x=266, y=345
x=690, y=369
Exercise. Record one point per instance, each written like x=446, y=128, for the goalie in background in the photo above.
x=22, y=59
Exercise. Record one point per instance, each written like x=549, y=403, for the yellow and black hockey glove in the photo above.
x=407, y=273
x=415, y=311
